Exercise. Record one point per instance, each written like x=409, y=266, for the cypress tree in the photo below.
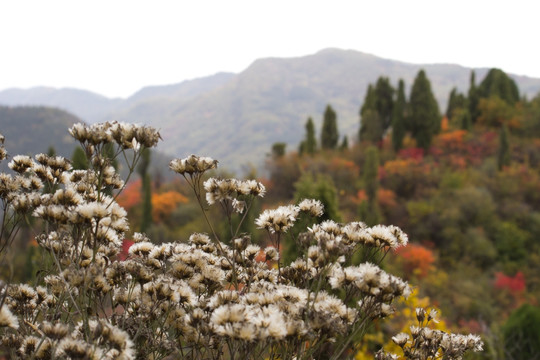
x=376, y=112
x=473, y=98
x=142, y=169
x=278, y=149
x=497, y=83
x=79, y=161
x=398, y=118
x=329, y=132
x=424, y=117
x=310, y=142
x=369, y=210
x=371, y=129
x=384, y=101
x=456, y=101
x=370, y=122
x=503, y=153
x=344, y=144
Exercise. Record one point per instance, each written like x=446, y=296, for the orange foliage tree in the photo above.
x=416, y=259
x=163, y=204
x=131, y=196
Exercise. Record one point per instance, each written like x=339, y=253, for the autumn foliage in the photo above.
x=416, y=259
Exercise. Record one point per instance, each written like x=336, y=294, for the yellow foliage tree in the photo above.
x=404, y=317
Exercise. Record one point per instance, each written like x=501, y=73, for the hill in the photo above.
x=32, y=130
x=236, y=118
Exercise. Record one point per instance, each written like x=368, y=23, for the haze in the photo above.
x=116, y=47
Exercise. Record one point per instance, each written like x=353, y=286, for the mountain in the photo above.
x=33, y=130
x=236, y=118
x=89, y=106
x=92, y=107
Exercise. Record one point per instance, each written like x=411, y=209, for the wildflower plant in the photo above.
x=202, y=298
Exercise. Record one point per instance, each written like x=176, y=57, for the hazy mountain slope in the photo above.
x=236, y=118
x=88, y=106
x=184, y=90
x=271, y=100
x=92, y=107
x=32, y=130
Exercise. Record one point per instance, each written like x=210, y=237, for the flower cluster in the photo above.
x=200, y=298
x=192, y=165
x=426, y=343
x=222, y=190
x=127, y=136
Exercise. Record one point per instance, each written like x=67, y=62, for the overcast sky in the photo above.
x=116, y=47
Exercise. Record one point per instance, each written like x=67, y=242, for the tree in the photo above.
x=310, y=143
x=384, y=101
x=503, y=153
x=78, y=159
x=377, y=111
x=423, y=117
x=344, y=143
x=473, y=98
x=371, y=129
x=142, y=169
x=398, y=118
x=278, y=149
x=497, y=83
x=329, y=133
x=456, y=101
x=522, y=333
x=369, y=210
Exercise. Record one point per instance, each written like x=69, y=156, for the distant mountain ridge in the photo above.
x=236, y=117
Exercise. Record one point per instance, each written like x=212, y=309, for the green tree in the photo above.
x=398, y=118
x=384, y=101
x=473, y=98
x=344, y=143
x=423, y=117
x=371, y=129
x=278, y=149
x=369, y=210
x=79, y=161
x=310, y=143
x=456, y=101
x=503, y=152
x=146, y=189
x=522, y=333
x=329, y=132
x=320, y=187
x=497, y=83
x=377, y=111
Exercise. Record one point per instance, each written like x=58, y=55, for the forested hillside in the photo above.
x=33, y=130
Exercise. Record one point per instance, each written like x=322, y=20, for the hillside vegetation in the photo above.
x=236, y=117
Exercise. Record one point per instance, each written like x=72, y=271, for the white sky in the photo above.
x=115, y=47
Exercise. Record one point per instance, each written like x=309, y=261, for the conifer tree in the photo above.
x=142, y=169
x=456, y=101
x=344, y=144
x=497, y=83
x=329, y=132
x=78, y=159
x=369, y=210
x=503, y=153
x=377, y=111
x=384, y=92
x=398, y=118
x=310, y=141
x=278, y=149
x=473, y=98
x=423, y=118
